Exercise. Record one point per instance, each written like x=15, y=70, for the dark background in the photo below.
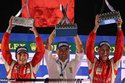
x=85, y=11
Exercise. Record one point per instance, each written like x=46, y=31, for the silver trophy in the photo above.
x=109, y=17
x=20, y=21
x=28, y=22
x=65, y=27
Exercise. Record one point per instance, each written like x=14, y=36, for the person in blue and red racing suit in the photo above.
x=20, y=68
x=103, y=69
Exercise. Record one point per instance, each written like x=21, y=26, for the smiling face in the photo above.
x=63, y=53
x=22, y=58
x=104, y=52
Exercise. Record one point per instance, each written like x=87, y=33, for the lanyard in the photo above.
x=61, y=67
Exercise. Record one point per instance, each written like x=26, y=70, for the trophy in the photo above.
x=20, y=21
x=28, y=22
x=65, y=27
x=109, y=17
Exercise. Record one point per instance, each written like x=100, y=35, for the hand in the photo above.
x=51, y=37
x=10, y=25
x=10, y=22
x=78, y=43
x=119, y=22
x=96, y=23
x=33, y=29
x=50, y=40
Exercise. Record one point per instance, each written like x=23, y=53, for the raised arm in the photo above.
x=48, y=52
x=5, y=44
x=79, y=50
x=91, y=40
x=50, y=40
x=79, y=53
x=119, y=48
x=40, y=49
x=79, y=45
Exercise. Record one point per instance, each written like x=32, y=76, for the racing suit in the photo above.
x=69, y=68
x=16, y=71
x=104, y=72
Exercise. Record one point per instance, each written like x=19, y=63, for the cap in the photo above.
x=60, y=44
x=104, y=43
x=21, y=49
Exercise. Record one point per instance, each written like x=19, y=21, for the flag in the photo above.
x=46, y=13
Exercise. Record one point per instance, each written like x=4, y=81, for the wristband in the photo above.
x=8, y=30
x=119, y=26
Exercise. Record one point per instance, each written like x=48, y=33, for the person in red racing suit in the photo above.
x=103, y=69
x=21, y=69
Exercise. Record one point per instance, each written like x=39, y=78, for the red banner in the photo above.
x=47, y=12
